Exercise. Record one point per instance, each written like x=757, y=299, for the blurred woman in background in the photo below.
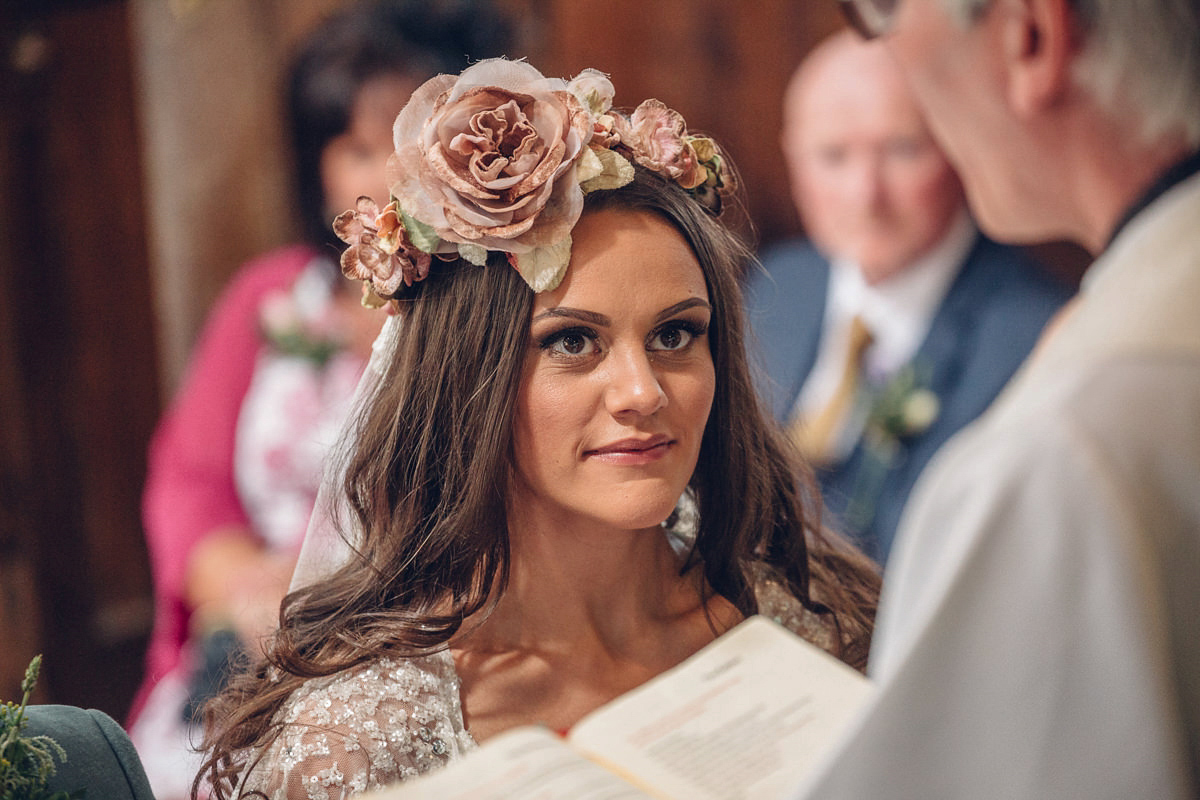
x=236, y=461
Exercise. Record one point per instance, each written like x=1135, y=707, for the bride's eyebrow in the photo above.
x=602, y=321
x=590, y=317
x=691, y=302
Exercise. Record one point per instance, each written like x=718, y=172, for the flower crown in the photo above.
x=499, y=158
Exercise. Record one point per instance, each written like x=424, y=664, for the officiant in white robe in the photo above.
x=1039, y=632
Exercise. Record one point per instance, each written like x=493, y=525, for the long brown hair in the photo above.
x=425, y=483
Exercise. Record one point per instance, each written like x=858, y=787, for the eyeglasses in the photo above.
x=871, y=18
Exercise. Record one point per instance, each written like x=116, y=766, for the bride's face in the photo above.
x=618, y=380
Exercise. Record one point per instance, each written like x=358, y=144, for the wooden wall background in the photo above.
x=78, y=361
x=141, y=162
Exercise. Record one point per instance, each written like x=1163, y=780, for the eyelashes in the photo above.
x=571, y=341
x=580, y=341
x=678, y=334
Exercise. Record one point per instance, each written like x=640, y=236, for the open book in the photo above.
x=746, y=717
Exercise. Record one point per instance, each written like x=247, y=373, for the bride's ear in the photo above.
x=1039, y=44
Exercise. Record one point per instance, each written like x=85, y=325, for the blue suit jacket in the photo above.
x=985, y=327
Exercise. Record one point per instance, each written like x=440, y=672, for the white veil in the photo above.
x=325, y=549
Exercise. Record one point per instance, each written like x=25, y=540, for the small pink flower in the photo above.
x=657, y=135
x=380, y=253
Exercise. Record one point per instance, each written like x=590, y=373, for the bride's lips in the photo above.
x=632, y=451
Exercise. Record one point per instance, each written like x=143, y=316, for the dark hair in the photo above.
x=426, y=484
x=368, y=40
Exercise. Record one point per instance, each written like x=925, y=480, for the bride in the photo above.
x=561, y=482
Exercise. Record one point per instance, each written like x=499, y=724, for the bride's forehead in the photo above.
x=627, y=259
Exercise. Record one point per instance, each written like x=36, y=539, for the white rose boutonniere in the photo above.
x=903, y=407
x=900, y=409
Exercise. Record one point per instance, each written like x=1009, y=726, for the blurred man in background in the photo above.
x=895, y=323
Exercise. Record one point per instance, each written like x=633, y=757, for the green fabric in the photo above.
x=100, y=756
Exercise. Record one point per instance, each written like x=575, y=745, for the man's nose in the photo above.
x=867, y=183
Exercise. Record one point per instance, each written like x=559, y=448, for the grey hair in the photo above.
x=1143, y=55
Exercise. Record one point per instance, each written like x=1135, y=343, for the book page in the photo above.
x=528, y=762
x=746, y=717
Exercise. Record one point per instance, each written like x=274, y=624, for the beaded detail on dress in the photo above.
x=378, y=723
x=392, y=718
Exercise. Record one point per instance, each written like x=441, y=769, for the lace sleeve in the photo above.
x=776, y=602
x=379, y=723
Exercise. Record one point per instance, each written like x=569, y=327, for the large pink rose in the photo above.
x=488, y=157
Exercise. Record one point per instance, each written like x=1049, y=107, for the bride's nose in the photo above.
x=633, y=386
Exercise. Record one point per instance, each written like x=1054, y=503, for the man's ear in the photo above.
x=1040, y=44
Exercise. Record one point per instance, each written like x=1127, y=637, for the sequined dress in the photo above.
x=390, y=719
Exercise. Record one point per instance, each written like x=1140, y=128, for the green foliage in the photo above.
x=298, y=343
x=27, y=763
x=423, y=236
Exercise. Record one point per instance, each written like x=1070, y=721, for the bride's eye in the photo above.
x=675, y=336
x=571, y=342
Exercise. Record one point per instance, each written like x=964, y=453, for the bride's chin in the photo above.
x=647, y=517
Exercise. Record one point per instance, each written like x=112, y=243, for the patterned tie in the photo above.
x=816, y=434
